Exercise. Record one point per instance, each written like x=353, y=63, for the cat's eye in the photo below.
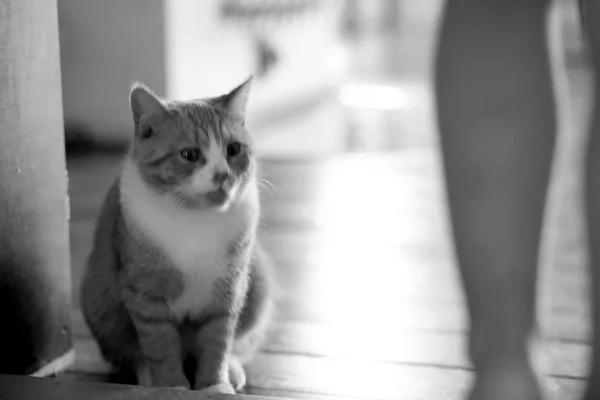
x=191, y=154
x=233, y=149
x=146, y=133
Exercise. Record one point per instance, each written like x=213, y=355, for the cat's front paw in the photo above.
x=224, y=387
x=237, y=376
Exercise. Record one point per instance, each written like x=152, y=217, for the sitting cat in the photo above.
x=176, y=272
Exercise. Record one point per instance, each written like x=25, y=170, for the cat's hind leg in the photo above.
x=258, y=309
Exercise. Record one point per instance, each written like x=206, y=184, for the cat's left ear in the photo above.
x=143, y=101
x=236, y=100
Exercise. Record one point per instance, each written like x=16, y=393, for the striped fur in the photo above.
x=176, y=272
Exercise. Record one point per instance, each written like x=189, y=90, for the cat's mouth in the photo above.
x=217, y=197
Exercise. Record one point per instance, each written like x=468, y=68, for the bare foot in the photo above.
x=504, y=382
x=592, y=390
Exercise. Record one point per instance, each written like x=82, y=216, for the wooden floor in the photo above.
x=369, y=303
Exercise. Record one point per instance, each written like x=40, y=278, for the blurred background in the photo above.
x=312, y=58
x=342, y=115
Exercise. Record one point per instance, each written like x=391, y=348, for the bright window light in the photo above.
x=378, y=97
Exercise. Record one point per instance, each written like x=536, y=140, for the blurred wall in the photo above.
x=203, y=56
x=185, y=49
x=106, y=45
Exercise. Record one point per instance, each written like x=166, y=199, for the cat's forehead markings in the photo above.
x=208, y=121
x=219, y=133
x=203, y=130
x=189, y=122
x=218, y=119
x=203, y=136
x=213, y=120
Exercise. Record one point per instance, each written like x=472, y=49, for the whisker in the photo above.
x=268, y=186
x=265, y=183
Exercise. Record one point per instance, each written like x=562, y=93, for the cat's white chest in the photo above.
x=195, y=242
x=197, y=247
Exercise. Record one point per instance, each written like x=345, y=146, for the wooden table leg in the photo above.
x=35, y=283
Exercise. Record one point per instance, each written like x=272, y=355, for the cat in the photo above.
x=176, y=272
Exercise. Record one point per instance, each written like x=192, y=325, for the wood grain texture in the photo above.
x=400, y=346
x=295, y=375
x=26, y=388
x=34, y=243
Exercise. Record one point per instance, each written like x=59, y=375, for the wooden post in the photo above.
x=35, y=283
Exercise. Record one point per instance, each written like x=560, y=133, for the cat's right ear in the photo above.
x=143, y=102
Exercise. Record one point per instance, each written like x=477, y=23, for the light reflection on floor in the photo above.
x=368, y=281
x=371, y=277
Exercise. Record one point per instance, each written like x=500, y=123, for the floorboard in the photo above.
x=28, y=388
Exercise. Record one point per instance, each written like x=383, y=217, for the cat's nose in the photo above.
x=220, y=177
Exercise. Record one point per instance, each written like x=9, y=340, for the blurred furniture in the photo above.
x=35, y=284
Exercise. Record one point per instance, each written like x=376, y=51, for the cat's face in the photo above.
x=197, y=152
